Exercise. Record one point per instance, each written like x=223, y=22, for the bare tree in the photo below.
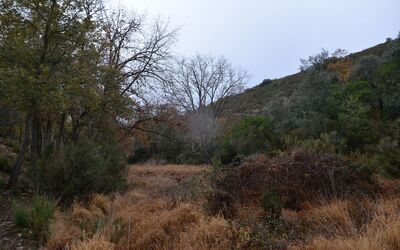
x=134, y=49
x=201, y=87
x=203, y=83
x=203, y=129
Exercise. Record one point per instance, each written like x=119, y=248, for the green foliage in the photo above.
x=55, y=77
x=83, y=169
x=265, y=82
x=359, y=113
x=168, y=144
x=384, y=156
x=227, y=152
x=192, y=154
x=389, y=77
x=248, y=136
x=4, y=164
x=365, y=68
x=330, y=143
x=13, y=144
x=22, y=216
x=272, y=202
x=357, y=126
x=140, y=153
x=35, y=218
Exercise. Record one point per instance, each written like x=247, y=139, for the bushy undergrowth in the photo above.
x=248, y=136
x=35, y=218
x=5, y=165
x=288, y=180
x=82, y=169
x=147, y=218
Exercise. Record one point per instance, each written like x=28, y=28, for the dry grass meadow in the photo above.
x=163, y=209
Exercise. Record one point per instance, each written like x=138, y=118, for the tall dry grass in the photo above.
x=135, y=221
x=148, y=217
x=353, y=225
x=141, y=219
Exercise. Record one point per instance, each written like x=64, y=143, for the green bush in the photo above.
x=82, y=169
x=35, y=218
x=5, y=165
x=248, y=136
x=382, y=156
x=191, y=154
x=22, y=216
x=168, y=144
x=330, y=143
x=3, y=184
x=139, y=154
x=13, y=144
x=272, y=202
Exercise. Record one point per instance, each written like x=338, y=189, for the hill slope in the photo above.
x=260, y=99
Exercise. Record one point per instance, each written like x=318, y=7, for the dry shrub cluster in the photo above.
x=136, y=221
x=298, y=177
x=346, y=225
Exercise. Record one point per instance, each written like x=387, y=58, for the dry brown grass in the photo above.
x=167, y=169
x=146, y=217
x=139, y=219
x=212, y=233
x=332, y=220
x=335, y=226
x=63, y=231
x=98, y=242
x=154, y=180
x=136, y=221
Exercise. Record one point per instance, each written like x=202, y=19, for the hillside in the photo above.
x=259, y=100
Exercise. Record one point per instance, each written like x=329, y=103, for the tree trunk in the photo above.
x=75, y=132
x=13, y=181
x=35, y=144
x=61, y=132
x=47, y=135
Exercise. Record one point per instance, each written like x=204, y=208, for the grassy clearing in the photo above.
x=146, y=217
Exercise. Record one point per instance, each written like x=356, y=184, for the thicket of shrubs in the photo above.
x=289, y=180
x=342, y=105
x=248, y=136
x=340, y=131
x=81, y=170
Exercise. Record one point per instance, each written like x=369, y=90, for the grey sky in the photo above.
x=268, y=37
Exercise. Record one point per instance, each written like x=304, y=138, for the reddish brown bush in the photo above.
x=297, y=177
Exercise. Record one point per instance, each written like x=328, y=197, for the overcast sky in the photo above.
x=268, y=37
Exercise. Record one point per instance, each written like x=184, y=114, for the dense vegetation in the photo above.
x=338, y=103
x=85, y=91
x=71, y=73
